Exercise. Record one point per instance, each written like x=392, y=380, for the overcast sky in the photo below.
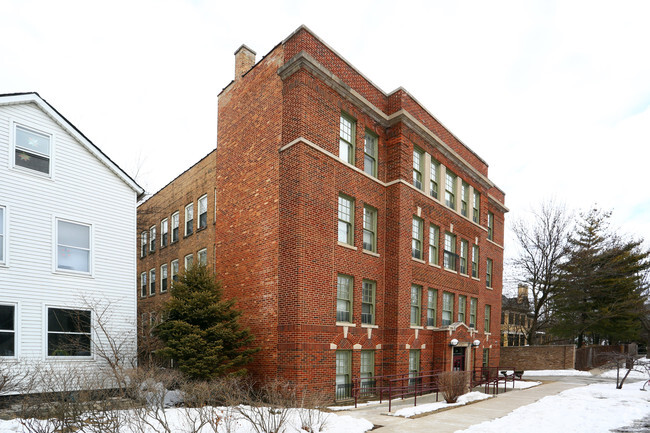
x=555, y=96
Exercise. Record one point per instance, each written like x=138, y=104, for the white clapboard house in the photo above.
x=67, y=231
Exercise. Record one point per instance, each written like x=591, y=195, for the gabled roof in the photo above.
x=35, y=98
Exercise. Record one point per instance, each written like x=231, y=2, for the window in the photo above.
x=464, y=247
x=462, y=305
x=418, y=157
x=369, y=229
x=344, y=287
x=450, y=251
x=490, y=226
x=486, y=357
x=73, y=246
x=163, y=278
x=189, y=219
x=488, y=273
x=487, y=318
x=476, y=205
x=143, y=284
x=434, y=240
x=416, y=243
x=7, y=330
x=416, y=295
x=370, y=154
x=174, y=265
x=188, y=261
x=447, y=308
x=475, y=261
x=175, y=227
x=464, y=199
x=143, y=244
x=367, y=370
x=473, y=303
x=32, y=150
x=450, y=185
x=3, y=231
x=346, y=218
x=152, y=282
x=152, y=239
x=414, y=364
x=432, y=304
x=203, y=212
x=164, y=233
x=346, y=139
x=203, y=256
x=343, y=382
x=68, y=332
x=368, y=302
x=434, y=178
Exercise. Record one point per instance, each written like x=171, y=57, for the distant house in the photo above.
x=67, y=224
x=516, y=318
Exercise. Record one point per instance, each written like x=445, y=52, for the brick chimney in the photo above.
x=244, y=60
x=522, y=293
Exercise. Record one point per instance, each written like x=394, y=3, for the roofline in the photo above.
x=34, y=97
x=308, y=30
x=174, y=179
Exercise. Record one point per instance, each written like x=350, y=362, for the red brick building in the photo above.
x=358, y=234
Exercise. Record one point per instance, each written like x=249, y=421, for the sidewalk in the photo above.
x=459, y=418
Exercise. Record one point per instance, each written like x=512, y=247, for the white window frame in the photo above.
x=91, y=256
x=164, y=276
x=164, y=230
x=143, y=285
x=152, y=281
x=144, y=244
x=12, y=156
x=189, y=257
x=152, y=239
x=189, y=209
x=204, y=199
x=4, y=257
x=47, y=333
x=370, y=159
x=175, y=221
x=434, y=244
x=348, y=223
x=347, y=142
x=16, y=330
x=202, y=252
x=173, y=273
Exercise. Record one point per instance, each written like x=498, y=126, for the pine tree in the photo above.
x=201, y=332
x=603, y=283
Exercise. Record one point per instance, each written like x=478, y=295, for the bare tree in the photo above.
x=542, y=243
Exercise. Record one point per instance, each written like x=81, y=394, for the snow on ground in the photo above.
x=568, y=372
x=523, y=384
x=594, y=408
x=178, y=419
x=338, y=408
x=634, y=374
x=434, y=407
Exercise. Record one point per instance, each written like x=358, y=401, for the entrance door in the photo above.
x=459, y=359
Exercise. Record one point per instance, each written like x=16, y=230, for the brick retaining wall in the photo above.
x=538, y=357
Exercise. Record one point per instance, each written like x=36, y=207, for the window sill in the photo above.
x=188, y=235
x=434, y=265
x=490, y=288
x=418, y=260
x=200, y=229
x=344, y=245
x=371, y=253
x=73, y=274
x=173, y=242
x=416, y=327
x=431, y=327
x=450, y=271
x=464, y=275
x=476, y=279
x=366, y=325
x=348, y=324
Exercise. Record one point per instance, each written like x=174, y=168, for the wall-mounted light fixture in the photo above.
x=476, y=343
x=453, y=342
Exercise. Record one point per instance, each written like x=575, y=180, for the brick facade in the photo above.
x=539, y=357
x=194, y=183
x=278, y=180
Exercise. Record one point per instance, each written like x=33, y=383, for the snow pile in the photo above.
x=433, y=407
x=339, y=408
x=594, y=408
x=523, y=384
x=634, y=374
x=568, y=372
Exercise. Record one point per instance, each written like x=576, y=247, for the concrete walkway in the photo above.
x=459, y=418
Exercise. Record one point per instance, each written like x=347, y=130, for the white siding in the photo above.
x=81, y=189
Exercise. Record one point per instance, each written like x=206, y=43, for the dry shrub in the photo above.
x=453, y=384
x=312, y=419
x=268, y=407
